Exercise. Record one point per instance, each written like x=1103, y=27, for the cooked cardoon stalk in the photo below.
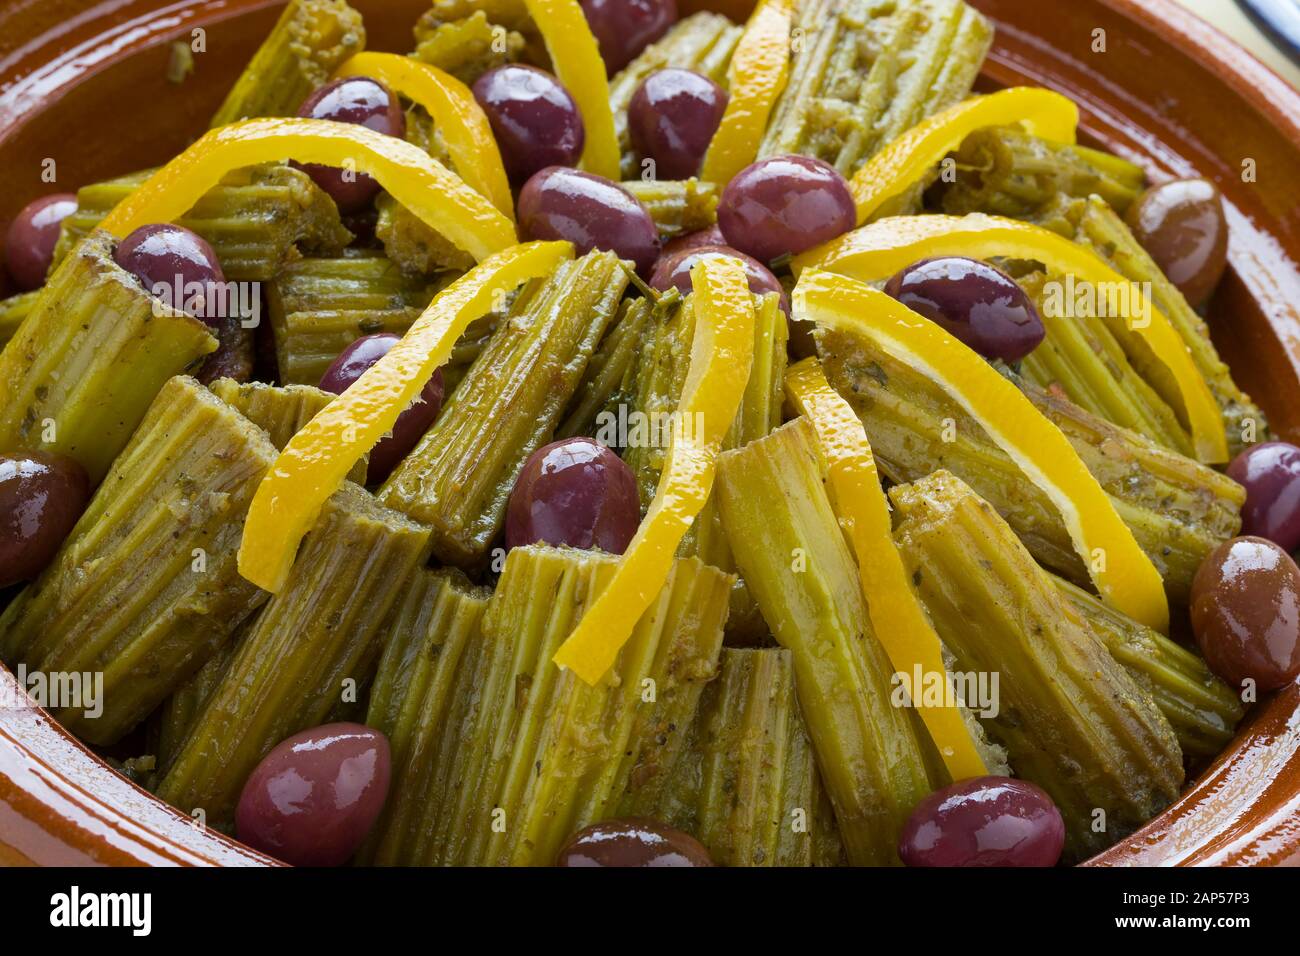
x=179, y=711
x=12, y=312
x=677, y=206
x=609, y=374
x=312, y=644
x=1007, y=172
x=1200, y=707
x=310, y=41
x=469, y=47
x=145, y=589
x=1097, y=226
x=280, y=411
x=416, y=248
x=866, y=72
x=796, y=562
x=658, y=379
x=458, y=478
x=318, y=307
x=1070, y=717
x=254, y=220
x=756, y=794
x=1178, y=509
x=702, y=43
x=80, y=375
x=436, y=628
x=1081, y=358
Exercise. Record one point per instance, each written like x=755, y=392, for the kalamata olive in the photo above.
x=785, y=204
x=411, y=424
x=675, y=272
x=178, y=267
x=590, y=211
x=41, y=497
x=365, y=102
x=574, y=492
x=984, y=821
x=712, y=236
x=30, y=241
x=1246, y=613
x=624, y=28
x=312, y=799
x=534, y=119
x=632, y=842
x=977, y=303
x=673, y=115
x=1270, y=473
x=1183, y=226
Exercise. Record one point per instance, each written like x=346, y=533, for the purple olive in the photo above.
x=1270, y=473
x=671, y=119
x=32, y=236
x=365, y=102
x=411, y=424
x=634, y=842
x=624, y=28
x=178, y=267
x=574, y=492
x=674, y=272
x=984, y=821
x=312, y=800
x=712, y=236
x=534, y=119
x=975, y=302
x=1183, y=227
x=41, y=497
x=785, y=205
x=591, y=212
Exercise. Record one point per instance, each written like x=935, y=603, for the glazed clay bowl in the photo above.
x=85, y=83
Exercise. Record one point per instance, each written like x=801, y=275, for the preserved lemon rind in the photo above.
x=255, y=219
x=313, y=643
x=1178, y=509
x=1070, y=717
x=82, y=373
x=800, y=572
x=866, y=72
x=145, y=588
x=677, y=207
x=302, y=51
x=458, y=478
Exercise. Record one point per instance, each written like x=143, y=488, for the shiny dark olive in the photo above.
x=785, y=205
x=1183, y=226
x=984, y=821
x=624, y=28
x=41, y=497
x=711, y=236
x=30, y=241
x=574, y=492
x=632, y=842
x=534, y=119
x=975, y=302
x=365, y=102
x=674, y=272
x=671, y=119
x=1270, y=473
x=1245, y=609
x=312, y=800
x=411, y=424
x=590, y=211
x=178, y=267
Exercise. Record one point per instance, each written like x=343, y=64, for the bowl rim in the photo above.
x=52, y=786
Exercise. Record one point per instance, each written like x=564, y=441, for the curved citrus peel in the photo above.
x=876, y=251
x=421, y=184
x=896, y=615
x=906, y=160
x=575, y=57
x=319, y=457
x=1123, y=574
x=721, y=355
x=459, y=119
x=757, y=75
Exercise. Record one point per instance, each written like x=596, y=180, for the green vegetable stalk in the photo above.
x=677, y=207
x=605, y=382
x=12, y=312
x=468, y=47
